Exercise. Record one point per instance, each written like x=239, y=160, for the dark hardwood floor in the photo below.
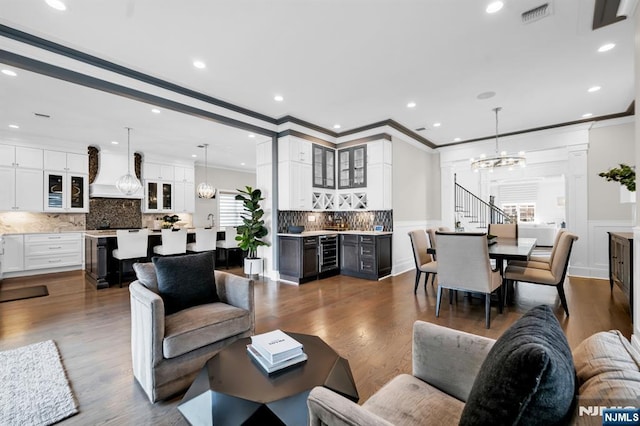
x=367, y=322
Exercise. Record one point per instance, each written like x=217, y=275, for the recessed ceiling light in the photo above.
x=14, y=126
x=9, y=73
x=242, y=164
x=606, y=47
x=251, y=135
x=155, y=111
x=457, y=139
x=278, y=98
x=437, y=124
x=199, y=64
x=114, y=142
x=495, y=6
x=593, y=89
x=194, y=156
x=336, y=126
x=587, y=115
x=56, y=4
x=411, y=105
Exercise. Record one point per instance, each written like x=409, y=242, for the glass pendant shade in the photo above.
x=128, y=184
x=205, y=190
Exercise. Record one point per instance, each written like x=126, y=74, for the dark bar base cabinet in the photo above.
x=621, y=264
x=365, y=256
x=298, y=258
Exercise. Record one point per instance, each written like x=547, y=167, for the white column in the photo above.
x=635, y=338
x=577, y=199
x=264, y=181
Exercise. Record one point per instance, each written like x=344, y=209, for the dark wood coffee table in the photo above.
x=232, y=389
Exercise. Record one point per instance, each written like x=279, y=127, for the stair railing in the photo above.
x=476, y=210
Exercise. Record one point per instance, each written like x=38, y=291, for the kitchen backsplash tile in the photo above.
x=25, y=222
x=113, y=213
x=360, y=220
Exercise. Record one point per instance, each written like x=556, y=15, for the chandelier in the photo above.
x=128, y=184
x=501, y=159
x=204, y=189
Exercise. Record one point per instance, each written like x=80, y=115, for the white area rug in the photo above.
x=34, y=389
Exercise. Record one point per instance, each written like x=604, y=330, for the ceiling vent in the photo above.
x=38, y=114
x=536, y=13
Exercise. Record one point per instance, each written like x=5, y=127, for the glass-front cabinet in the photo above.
x=158, y=196
x=66, y=192
x=324, y=168
x=352, y=167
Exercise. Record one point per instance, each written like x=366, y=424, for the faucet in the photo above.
x=210, y=219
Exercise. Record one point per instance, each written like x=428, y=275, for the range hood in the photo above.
x=110, y=168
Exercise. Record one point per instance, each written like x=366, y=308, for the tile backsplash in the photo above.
x=359, y=220
x=25, y=222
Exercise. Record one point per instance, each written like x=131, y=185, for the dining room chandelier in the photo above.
x=205, y=190
x=501, y=158
x=128, y=184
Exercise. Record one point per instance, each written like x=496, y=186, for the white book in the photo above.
x=276, y=346
x=272, y=368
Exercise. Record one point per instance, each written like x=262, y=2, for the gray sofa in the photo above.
x=445, y=365
x=168, y=351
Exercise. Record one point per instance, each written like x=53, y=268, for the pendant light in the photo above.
x=128, y=184
x=500, y=159
x=204, y=189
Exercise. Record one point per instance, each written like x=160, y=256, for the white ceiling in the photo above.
x=351, y=62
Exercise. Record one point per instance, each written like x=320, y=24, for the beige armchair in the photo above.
x=168, y=351
x=553, y=276
x=464, y=264
x=425, y=263
x=445, y=365
x=540, y=262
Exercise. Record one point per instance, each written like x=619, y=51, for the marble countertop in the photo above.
x=317, y=233
x=106, y=233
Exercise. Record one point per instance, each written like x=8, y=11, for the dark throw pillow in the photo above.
x=185, y=281
x=528, y=377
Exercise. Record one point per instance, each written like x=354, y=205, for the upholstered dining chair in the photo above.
x=431, y=232
x=554, y=276
x=503, y=230
x=540, y=262
x=132, y=245
x=174, y=241
x=464, y=264
x=425, y=264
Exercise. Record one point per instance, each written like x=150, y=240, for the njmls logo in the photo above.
x=598, y=410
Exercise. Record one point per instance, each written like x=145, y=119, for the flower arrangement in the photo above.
x=169, y=221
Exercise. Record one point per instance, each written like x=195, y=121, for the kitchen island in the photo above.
x=101, y=267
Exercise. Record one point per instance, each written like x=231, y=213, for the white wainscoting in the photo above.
x=598, y=250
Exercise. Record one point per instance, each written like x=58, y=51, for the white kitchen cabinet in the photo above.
x=13, y=259
x=291, y=148
x=184, y=197
x=18, y=156
x=183, y=174
x=42, y=251
x=379, y=188
x=157, y=171
x=294, y=186
x=66, y=162
x=158, y=197
x=21, y=189
x=66, y=192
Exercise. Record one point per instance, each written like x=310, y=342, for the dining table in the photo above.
x=502, y=250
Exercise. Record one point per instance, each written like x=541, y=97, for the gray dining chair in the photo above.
x=425, y=264
x=464, y=264
x=555, y=276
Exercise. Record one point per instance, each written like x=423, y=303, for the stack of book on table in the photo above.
x=275, y=350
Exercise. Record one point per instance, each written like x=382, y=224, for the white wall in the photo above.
x=220, y=179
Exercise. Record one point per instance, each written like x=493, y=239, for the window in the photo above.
x=229, y=209
x=521, y=212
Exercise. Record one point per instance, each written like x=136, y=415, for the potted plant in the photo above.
x=252, y=229
x=625, y=175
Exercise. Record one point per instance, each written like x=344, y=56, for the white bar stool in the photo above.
x=174, y=241
x=132, y=245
